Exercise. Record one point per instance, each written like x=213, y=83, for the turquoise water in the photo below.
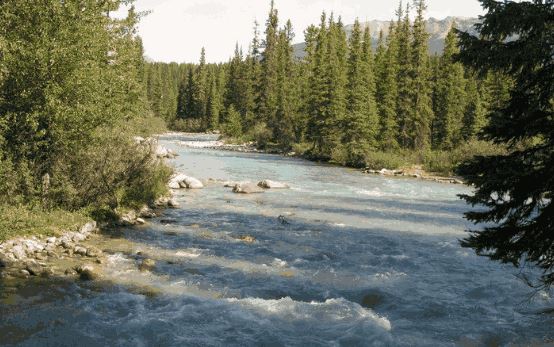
x=341, y=258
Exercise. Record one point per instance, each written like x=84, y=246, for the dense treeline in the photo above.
x=343, y=101
x=72, y=89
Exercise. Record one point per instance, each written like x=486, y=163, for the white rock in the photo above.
x=176, y=180
x=138, y=139
x=51, y=240
x=88, y=228
x=268, y=184
x=193, y=183
x=78, y=237
x=141, y=221
x=80, y=250
x=173, y=203
x=19, y=252
x=247, y=188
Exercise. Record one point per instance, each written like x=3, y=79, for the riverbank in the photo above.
x=222, y=144
x=40, y=241
x=70, y=253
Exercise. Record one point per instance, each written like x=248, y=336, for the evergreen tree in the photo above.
x=214, y=103
x=285, y=114
x=185, y=105
x=252, y=82
x=516, y=187
x=200, y=91
x=235, y=81
x=417, y=126
x=318, y=101
x=387, y=90
x=403, y=68
x=270, y=66
x=356, y=125
x=475, y=113
x=233, y=123
x=368, y=73
x=450, y=97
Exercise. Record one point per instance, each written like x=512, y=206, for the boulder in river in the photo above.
x=193, y=183
x=87, y=272
x=147, y=265
x=183, y=181
x=268, y=184
x=33, y=267
x=247, y=188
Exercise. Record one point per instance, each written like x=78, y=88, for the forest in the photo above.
x=347, y=102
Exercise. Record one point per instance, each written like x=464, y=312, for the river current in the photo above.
x=340, y=259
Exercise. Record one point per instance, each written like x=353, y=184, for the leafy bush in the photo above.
x=377, y=160
x=262, y=135
x=187, y=125
x=112, y=171
x=233, y=126
x=446, y=162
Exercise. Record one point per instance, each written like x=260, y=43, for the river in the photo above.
x=341, y=258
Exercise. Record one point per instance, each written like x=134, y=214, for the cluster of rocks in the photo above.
x=158, y=150
x=181, y=180
x=247, y=187
x=414, y=173
x=26, y=257
x=138, y=217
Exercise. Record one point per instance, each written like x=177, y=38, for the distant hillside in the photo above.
x=438, y=29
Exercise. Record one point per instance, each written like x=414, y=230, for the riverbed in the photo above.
x=340, y=258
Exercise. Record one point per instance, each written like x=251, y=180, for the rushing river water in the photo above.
x=341, y=258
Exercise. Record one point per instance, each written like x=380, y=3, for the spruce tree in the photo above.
x=475, y=113
x=404, y=76
x=515, y=190
x=450, y=97
x=318, y=101
x=417, y=126
x=285, y=113
x=355, y=127
x=387, y=90
x=270, y=66
x=200, y=91
x=368, y=73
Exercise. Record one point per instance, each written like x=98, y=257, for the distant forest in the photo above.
x=343, y=101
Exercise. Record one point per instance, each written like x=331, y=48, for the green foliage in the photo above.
x=73, y=93
x=233, y=126
x=262, y=135
x=451, y=103
x=445, y=162
x=377, y=160
x=515, y=188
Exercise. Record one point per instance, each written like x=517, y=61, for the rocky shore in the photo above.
x=414, y=173
x=45, y=256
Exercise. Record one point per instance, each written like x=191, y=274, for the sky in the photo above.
x=176, y=30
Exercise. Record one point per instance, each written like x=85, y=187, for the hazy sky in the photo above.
x=176, y=30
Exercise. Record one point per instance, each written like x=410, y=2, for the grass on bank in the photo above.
x=25, y=220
